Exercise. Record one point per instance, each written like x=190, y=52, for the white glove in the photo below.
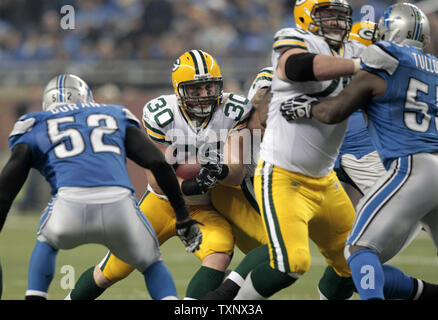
x=298, y=107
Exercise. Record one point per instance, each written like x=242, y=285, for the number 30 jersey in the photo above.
x=167, y=123
x=305, y=146
x=77, y=145
x=405, y=119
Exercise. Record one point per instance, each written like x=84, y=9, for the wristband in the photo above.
x=190, y=187
x=181, y=213
x=356, y=63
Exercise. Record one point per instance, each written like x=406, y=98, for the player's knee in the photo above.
x=350, y=249
x=299, y=261
x=218, y=261
x=101, y=280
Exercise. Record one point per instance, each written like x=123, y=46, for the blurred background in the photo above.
x=125, y=50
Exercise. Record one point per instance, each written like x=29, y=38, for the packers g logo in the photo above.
x=176, y=65
x=299, y=2
x=366, y=33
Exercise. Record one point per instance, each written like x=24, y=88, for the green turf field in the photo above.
x=18, y=238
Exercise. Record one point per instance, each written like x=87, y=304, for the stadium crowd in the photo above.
x=134, y=31
x=149, y=29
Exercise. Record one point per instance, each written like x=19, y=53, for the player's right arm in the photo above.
x=297, y=63
x=260, y=95
x=12, y=178
x=260, y=102
x=146, y=154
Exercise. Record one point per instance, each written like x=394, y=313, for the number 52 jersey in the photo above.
x=77, y=145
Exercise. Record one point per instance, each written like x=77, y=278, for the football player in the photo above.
x=297, y=191
x=243, y=201
x=196, y=120
x=358, y=167
x=330, y=286
x=80, y=147
x=397, y=91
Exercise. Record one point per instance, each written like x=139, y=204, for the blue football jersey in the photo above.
x=357, y=140
x=404, y=120
x=77, y=145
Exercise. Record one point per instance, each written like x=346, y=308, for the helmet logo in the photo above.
x=366, y=33
x=176, y=65
x=386, y=19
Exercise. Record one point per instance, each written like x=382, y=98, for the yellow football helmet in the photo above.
x=194, y=68
x=307, y=14
x=364, y=32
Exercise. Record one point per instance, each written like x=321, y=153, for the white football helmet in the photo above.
x=404, y=23
x=64, y=89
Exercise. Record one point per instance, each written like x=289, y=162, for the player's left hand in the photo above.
x=298, y=107
x=213, y=165
x=190, y=234
x=218, y=170
x=205, y=179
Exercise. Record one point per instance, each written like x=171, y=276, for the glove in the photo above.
x=218, y=170
x=190, y=234
x=205, y=179
x=214, y=164
x=298, y=107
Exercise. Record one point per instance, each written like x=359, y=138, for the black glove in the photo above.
x=214, y=164
x=219, y=170
x=298, y=107
x=190, y=234
x=205, y=179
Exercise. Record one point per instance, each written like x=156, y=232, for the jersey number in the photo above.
x=165, y=116
x=74, y=136
x=235, y=110
x=412, y=119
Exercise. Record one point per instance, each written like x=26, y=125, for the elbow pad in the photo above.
x=299, y=67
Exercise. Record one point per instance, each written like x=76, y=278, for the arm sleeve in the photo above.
x=131, y=118
x=12, y=178
x=143, y=152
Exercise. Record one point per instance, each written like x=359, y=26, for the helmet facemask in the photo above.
x=200, y=97
x=332, y=21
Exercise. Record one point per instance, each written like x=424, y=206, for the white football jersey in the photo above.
x=262, y=80
x=167, y=123
x=305, y=146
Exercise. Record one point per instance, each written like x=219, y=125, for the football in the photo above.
x=189, y=169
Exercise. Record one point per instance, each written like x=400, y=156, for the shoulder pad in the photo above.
x=264, y=78
x=22, y=126
x=291, y=38
x=376, y=56
x=130, y=115
x=157, y=115
x=238, y=109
